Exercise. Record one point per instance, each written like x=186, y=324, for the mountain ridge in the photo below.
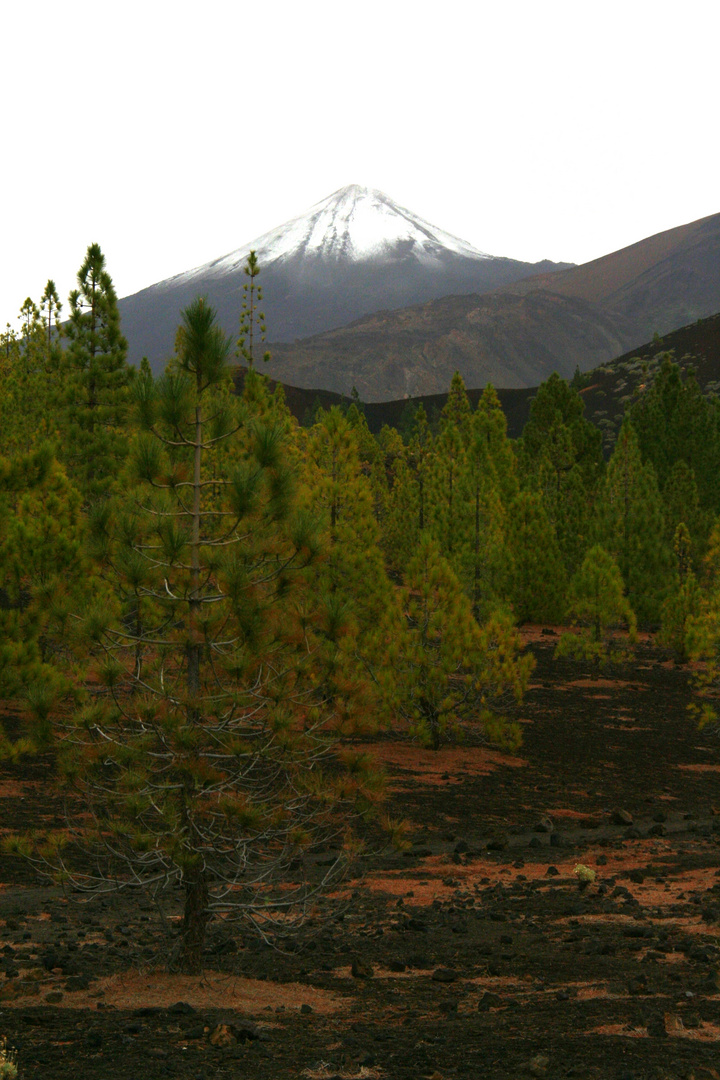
x=578, y=317
x=354, y=253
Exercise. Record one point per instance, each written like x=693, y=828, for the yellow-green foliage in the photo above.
x=597, y=603
x=444, y=670
x=8, y=1062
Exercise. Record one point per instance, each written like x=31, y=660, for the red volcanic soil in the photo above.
x=476, y=953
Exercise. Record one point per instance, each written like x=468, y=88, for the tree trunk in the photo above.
x=194, y=924
x=476, y=570
x=194, y=601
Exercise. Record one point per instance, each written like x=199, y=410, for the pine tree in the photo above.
x=490, y=424
x=596, y=598
x=26, y=399
x=684, y=602
x=457, y=410
x=675, y=422
x=630, y=526
x=446, y=492
x=352, y=574
x=252, y=321
x=561, y=456
x=537, y=576
x=42, y=567
x=97, y=379
x=480, y=552
x=681, y=505
x=446, y=671
x=50, y=308
x=206, y=722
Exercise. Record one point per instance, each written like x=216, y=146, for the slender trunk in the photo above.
x=138, y=644
x=196, y=915
x=92, y=389
x=450, y=512
x=476, y=575
x=251, y=310
x=435, y=731
x=195, y=603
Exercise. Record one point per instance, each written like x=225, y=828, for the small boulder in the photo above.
x=621, y=817
x=544, y=825
x=181, y=1008
x=656, y=1028
x=444, y=975
x=360, y=970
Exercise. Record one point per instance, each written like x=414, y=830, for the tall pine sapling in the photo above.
x=205, y=748
x=95, y=396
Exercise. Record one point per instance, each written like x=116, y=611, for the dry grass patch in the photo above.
x=323, y=1071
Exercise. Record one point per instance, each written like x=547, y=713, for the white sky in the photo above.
x=172, y=132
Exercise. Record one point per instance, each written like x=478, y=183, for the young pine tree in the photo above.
x=445, y=671
x=630, y=526
x=537, y=576
x=684, y=601
x=95, y=395
x=205, y=744
x=42, y=565
x=597, y=601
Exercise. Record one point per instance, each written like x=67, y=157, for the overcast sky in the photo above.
x=172, y=133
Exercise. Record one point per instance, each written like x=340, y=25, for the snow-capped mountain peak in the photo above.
x=355, y=224
x=354, y=253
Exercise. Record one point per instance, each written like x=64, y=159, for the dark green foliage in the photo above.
x=94, y=392
x=675, y=422
x=630, y=525
x=561, y=456
x=537, y=578
x=597, y=602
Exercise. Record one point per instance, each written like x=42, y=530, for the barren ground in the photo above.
x=476, y=953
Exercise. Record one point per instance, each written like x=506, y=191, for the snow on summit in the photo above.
x=354, y=224
x=352, y=254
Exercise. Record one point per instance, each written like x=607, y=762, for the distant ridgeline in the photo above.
x=606, y=390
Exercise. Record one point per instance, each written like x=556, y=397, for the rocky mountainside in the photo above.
x=659, y=284
x=518, y=335
x=503, y=338
x=356, y=252
x=607, y=390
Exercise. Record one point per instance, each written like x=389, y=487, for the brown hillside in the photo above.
x=519, y=334
x=609, y=388
x=659, y=283
x=508, y=339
